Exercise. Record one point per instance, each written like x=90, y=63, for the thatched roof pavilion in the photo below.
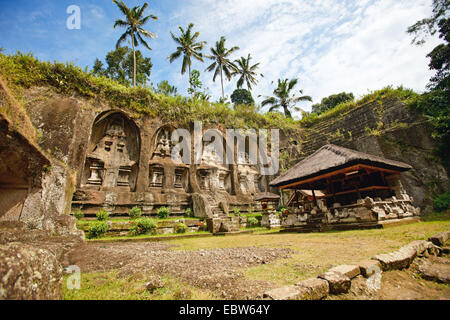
x=341, y=172
x=266, y=196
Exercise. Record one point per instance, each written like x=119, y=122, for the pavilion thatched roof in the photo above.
x=266, y=196
x=330, y=158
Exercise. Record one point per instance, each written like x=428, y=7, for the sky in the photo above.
x=329, y=45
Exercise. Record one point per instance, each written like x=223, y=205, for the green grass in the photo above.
x=110, y=286
x=313, y=253
x=148, y=236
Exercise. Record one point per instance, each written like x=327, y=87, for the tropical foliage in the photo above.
x=120, y=66
x=188, y=47
x=332, y=101
x=165, y=88
x=435, y=103
x=283, y=97
x=134, y=22
x=222, y=64
x=242, y=96
x=246, y=72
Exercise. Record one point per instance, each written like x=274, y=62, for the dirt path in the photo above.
x=213, y=269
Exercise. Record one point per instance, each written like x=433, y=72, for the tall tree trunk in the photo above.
x=134, y=62
x=221, y=81
x=190, y=84
x=287, y=113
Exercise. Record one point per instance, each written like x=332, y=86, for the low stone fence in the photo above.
x=338, y=280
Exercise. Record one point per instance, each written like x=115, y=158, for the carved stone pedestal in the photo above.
x=270, y=220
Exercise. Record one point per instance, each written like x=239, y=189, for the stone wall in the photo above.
x=86, y=135
x=388, y=129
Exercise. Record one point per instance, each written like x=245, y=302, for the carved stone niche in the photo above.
x=163, y=144
x=113, y=153
x=156, y=176
x=180, y=178
x=243, y=185
x=204, y=179
x=224, y=180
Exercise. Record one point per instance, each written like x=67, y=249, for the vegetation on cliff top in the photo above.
x=400, y=93
x=25, y=71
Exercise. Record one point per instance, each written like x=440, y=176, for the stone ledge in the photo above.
x=338, y=279
x=314, y=288
x=350, y=271
x=338, y=282
x=439, y=239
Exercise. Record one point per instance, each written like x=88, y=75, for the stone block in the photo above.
x=436, y=269
x=369, y=267
x=396, y=260
x=350, y=271
x=338, y=282
x=284, y=293
x=440, y=238
x=313, y=289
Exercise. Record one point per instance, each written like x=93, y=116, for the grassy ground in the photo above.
x=313, y=254
x=110, y=286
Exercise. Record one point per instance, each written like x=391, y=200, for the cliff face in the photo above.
x=388, y=129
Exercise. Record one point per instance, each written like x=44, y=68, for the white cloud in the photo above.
x=332, y=46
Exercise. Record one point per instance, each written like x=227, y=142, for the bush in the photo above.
x=189, y=212
x=143, y=226
x=442, y=202
x=202, y=226
x=163, y=212
x=78, y=214
x=97, y=229
x=181, y=228
x=252, y=222
x=236, y=211
x=135, y=213
x=102, y=215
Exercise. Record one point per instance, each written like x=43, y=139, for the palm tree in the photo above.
x=134, y=22
x=188, y=47
x=247, y=73
x=221, y=63
x=283, y=97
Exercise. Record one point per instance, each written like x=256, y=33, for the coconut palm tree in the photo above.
x=282, y=97
x=188, y=47
x=247, y=73
x=134, y=22
x=222, y=64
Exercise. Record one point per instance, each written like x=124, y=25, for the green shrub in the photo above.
x=102, y=215
x=189, y=212
x=78, y=214
x=252, y=222
x=163, y=212
x=143, y=226
x=442, y=202
x=135, y=213
x=236, y=211
x=181, y=228
x=97, y=229
x=202, y=226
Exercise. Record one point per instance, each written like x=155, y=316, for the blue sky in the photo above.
x=330, y=45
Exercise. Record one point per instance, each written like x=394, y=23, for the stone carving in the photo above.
x=110, y=162
x=204, y=180
x=156, y=176
x=163, y=144
x=179, y=177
